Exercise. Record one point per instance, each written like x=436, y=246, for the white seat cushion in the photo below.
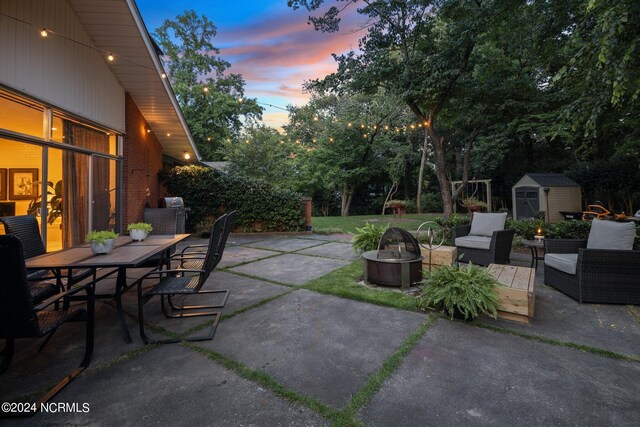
x=474, y=242
x=566, y=263
x=484, y=224
x=611, y=235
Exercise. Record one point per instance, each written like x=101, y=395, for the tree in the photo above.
x=343, y=141
x=210, y=97
x=262, y=153
x=418, y=50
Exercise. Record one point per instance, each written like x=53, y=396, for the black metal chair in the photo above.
x=21, y=317
x=26, y=228
x=188, y=282
x=163, y=221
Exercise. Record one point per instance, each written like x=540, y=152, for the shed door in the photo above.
x=527, y=202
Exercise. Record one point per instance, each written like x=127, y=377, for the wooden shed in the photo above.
x=545, y=192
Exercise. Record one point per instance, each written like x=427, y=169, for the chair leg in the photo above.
x=88, y=350
x=193, y=307
x=7, y=354
x=143, y=299
x=46, y=340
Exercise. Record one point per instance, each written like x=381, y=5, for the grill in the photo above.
x=397, y=262
x=176, y=203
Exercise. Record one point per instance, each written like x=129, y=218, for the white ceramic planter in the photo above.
x=102, y=248
x=138, y=235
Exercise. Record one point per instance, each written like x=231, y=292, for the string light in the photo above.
x=163, y=75
x=187, y=155
x=168, y=134
x=205, y=89
x=44, y=32
x=110, y=57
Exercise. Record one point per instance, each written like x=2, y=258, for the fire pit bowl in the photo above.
x=397, y=262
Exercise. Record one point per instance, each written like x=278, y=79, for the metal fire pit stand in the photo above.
x=430, y=238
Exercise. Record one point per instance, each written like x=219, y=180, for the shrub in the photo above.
x=209, y=193
x=328, y=230
x=367, y=238
x=470, y=291
x=568, y=230
x=527, y=228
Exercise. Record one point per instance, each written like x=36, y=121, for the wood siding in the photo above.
x=67, y=73
x=561, y=199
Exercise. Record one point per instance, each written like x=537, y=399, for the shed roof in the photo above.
x=552, y=180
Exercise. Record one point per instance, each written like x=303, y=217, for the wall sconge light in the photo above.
x=187, y=156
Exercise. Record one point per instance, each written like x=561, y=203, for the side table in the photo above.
x=533, y=246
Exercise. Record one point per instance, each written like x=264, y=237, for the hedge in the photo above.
x=209, y=193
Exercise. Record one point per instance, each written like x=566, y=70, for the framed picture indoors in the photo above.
x=3, y=184
x=22, y=184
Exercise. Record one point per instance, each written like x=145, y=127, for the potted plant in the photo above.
x=398, y=206
x=463, y=293
x=101, y=241
x=473, y=205
x=139, y=231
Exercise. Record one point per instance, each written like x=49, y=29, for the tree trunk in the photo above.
x=423, y=160
x=346, y=195
x=392, y=191
x=441, y=170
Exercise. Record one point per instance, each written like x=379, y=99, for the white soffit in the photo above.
x=117, y=27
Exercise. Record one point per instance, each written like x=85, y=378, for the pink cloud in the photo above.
x=279, y=53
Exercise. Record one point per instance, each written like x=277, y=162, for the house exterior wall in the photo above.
x=142, y=161
x=69, y=75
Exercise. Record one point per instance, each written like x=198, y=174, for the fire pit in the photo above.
x=397, y=262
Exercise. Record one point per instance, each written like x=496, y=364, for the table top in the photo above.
x=126, y=253
x=536, y=243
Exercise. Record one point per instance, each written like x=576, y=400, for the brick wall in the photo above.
x=142, y=161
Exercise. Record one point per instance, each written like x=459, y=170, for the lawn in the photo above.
x=337, y=224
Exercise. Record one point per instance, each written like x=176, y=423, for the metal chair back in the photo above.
x=25, y=228
x=163, y=220
x=17, y=316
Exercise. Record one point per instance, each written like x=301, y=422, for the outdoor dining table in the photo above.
x=125, y=254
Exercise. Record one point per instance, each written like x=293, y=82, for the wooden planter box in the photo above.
x=517, y=293
x=444, y=255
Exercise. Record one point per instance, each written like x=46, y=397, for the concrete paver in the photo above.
x=291, y=268
x=462, y=375
x=322, y=346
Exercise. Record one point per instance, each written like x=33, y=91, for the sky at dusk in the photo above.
x=270, y=44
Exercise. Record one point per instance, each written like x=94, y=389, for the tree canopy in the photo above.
x=211, y=98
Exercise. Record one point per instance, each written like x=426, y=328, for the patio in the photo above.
x=284, y=355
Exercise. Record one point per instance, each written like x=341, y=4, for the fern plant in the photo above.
x=367, y=238
x=471, y=291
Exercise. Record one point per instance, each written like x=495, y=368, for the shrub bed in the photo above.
x=209, y=193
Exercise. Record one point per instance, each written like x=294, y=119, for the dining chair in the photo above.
x=163, y=221
x=27, y=230
x=188, y=282
x=22, y=317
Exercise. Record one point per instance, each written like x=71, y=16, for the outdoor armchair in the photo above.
x=27, y=230
x=188, y=282
x=485, y=241
x=21, y=317
x=602, y=269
